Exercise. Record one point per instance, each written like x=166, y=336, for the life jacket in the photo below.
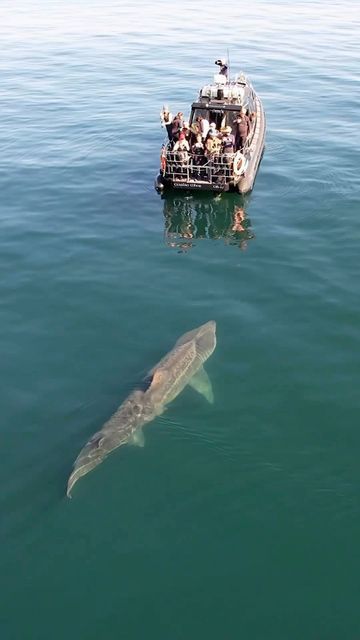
x=216, y=145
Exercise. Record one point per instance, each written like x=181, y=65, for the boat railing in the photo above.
x=184, y=166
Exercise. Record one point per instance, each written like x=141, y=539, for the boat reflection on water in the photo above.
x=189, y=218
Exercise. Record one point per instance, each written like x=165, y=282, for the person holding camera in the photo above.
x=223, y=67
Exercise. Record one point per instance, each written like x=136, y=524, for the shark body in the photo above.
x=181, y=366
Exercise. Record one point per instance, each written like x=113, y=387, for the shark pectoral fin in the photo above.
x=138, y=438
x=202, y=384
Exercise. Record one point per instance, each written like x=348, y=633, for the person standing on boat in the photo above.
x=197, y=150
x=177, y=125
x=213, y=130
x=182, y=148
x=242, y=130
x=187, y=131
x=228, y=144
x=246, y=117
x=204, y=126
x=212, y=144
x=166, y=119
x=223, y=67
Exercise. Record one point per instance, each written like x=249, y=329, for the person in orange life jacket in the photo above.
x=166, y=120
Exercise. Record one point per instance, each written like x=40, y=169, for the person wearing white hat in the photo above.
x=213, y=130
x=228, y=140
x=228, y=144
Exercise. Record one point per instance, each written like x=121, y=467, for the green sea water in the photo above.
x=238, y=519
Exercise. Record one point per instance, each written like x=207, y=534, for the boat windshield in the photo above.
x=199, y=112
x=220, y=117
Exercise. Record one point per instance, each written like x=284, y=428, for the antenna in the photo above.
x=228, y=70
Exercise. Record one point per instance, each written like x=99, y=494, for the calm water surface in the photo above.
x=239, y=519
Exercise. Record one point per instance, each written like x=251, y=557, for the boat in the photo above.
x=220, y=103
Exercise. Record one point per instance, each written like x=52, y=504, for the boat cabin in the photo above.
x=221, y=102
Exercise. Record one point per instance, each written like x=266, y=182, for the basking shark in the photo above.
x=182, y=366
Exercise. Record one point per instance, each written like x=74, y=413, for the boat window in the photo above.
x=199, y=112
x=229, y=118
x=217, y=117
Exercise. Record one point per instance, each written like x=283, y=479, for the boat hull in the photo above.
x=256, y=151
x=162, y=184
